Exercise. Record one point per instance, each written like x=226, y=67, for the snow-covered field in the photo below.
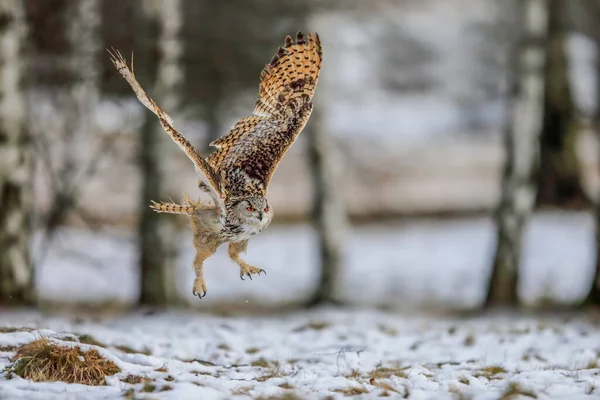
x=325, y=352
x=358, y=352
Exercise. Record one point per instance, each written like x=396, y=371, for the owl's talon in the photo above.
x=248, y=271
x=199, y=289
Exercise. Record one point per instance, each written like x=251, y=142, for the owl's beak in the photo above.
x=261, y=216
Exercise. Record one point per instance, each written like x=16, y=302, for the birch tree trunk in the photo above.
x=522, y=148
x=16, y=269
x=78, y=101
x=560, y=177
x=158, y=232
x=593, y=296
x=329, y=215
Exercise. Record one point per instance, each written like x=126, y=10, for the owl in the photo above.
x=237, y=174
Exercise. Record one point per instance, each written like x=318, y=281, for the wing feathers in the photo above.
x=208, y=174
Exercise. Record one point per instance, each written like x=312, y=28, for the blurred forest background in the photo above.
x=452, y=158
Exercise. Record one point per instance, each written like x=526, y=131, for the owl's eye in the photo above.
x=250, y=208
x=266, y=209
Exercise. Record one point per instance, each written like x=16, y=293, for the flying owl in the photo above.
x=237, y=174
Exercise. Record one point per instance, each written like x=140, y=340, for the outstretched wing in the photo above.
x=207, y=173
x=255, y=145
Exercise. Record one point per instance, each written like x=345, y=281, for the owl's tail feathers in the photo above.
x=292, y=74
x=172, y=208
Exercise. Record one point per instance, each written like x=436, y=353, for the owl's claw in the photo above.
x=199, y=289
x=248, y=270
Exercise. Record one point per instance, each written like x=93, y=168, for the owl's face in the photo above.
x=253, y=214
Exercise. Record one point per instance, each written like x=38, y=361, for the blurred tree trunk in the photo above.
x=78, y=99
x=158, y=233
x=213, y=122
x=559, y=177
x=328, y=208
x=522, y=147
x=593, y=296
x=16, y=269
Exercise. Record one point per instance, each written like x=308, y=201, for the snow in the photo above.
x=408, y=264
x=314, y=353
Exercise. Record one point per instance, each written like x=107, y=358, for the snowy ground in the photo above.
x=338, y=353
x=416, y=263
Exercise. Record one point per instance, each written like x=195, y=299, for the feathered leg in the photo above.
x=235, y=248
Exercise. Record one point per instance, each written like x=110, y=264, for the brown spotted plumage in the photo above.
x=237, y=174
x=248, y=155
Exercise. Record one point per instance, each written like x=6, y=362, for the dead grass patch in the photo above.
x=130, y=350
x=273, y=373
x=514, y=390
x=387, y=330
x=458, y=394
x=45, y=361
x=89, y=339
x=148, y=388
x=11, y=329
x=313, y=325
x=352, y=391
x=386, y=387
x=264, y=363
x=354, y=374
x=489, y=372
x=387, y=372
x=469, y=340
x=135, y=379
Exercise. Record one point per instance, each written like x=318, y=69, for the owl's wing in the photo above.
x=256, y=144
x=208, y=174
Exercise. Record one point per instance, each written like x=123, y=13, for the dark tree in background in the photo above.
x=227, y=45
x=157, y=233
x=593, y=8
x=329, y=216
x=16, y=269
x=559, y=174
x=523, y=127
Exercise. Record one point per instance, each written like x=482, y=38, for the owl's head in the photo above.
x=254, y=213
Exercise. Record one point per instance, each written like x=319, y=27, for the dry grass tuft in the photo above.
x=273, y=373
x=130, y=350
x=11, y=329
x=386, y=372
x=514, y=390
x=352, y=391
x=135, y=379
x=489, y=372
x=89, y=339
x=45, y=361
x=313, y=325
x=264, y=363
x=386, y=387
